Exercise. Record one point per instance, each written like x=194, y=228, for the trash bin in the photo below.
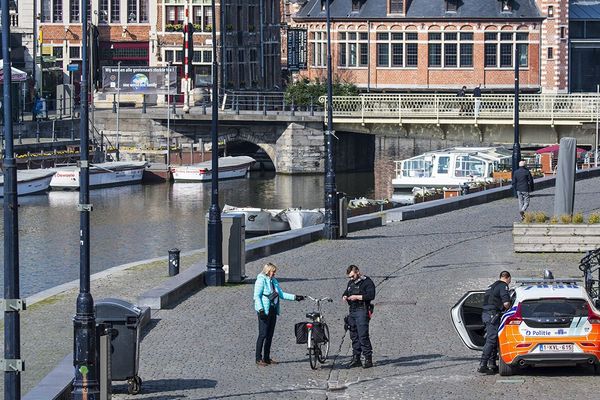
x=234, y=245
x=342, y=213
x=125, y=321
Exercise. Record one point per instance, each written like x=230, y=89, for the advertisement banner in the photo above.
x=297, y=49
x=139, y=80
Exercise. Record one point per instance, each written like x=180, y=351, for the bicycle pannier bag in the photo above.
x=301, y=333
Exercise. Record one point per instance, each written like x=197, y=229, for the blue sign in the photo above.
x=73, y=67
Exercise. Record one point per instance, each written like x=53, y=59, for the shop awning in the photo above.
x=17, y=74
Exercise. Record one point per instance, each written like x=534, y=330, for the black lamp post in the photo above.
x=516, y=155
x=12, y=303
x=331, y=228
x=85, y=384
x=215, y=275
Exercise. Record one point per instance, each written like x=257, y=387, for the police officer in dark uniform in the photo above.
x=495, y=301
x=358, y=294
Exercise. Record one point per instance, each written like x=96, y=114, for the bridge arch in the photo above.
x=244, y=135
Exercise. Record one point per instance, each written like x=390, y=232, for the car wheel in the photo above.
x=505, y=369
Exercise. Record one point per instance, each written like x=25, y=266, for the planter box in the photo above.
x=560, y=238
x=502, y=175
x=451, y=193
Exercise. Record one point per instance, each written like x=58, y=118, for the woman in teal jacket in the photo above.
x=267, y=294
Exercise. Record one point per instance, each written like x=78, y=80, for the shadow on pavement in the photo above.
x=467, y=264
x=584, y=370
x=168, y=385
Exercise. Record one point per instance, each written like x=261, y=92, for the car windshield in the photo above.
x=554, y=308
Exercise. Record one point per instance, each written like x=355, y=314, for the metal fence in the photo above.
x=266, y=102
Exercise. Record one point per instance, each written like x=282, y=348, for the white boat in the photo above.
x=30, y=181
x=448, y=168
x=101, y=175
x=229, y=168
x=265, y=221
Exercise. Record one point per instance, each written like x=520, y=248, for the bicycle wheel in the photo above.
x=312, y=351
x=324, y=346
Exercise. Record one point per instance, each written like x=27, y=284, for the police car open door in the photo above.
x=466, y=317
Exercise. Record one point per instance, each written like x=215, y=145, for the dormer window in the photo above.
x=323, y=5
x=396, y=6
x=451, y=5
x=506, y=5
x=356, y=5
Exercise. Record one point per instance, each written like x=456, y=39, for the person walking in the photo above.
x=495, y=300
x=267, y=294
x=477, y=99
x=359, y=294
x=461, y=103
x=522, y=183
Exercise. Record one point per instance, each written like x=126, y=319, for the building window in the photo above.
x=450, y=49
x=132, y=11
x=451, y=5
x=550, y=53
x=207, y=56
x=397, y=49
x=550, y=11
x=318, y=47
x=57, y=10
x=356, y=5
x=74, y=53
x=506, y=5
x=46, y=12
x=499, y=49
x=396, y=6
x=115, y=11
x=104, y=9
x=175, y=15
x=74, y=11
x=562, y=32
x=353, y=49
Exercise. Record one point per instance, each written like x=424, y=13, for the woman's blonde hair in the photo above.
x=268, y=268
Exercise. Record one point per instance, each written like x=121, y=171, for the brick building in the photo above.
x=150, y=32
x=431, y=45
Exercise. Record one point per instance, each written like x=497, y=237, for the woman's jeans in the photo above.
x=266, y=328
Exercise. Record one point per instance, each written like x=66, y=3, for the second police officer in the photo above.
x=359, y=293
x=496, y=300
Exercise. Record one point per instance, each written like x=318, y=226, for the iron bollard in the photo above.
x=292, y=108
x=114, y=110
x=37, y=133
x=20, y=138
x=312, y=107
x=264, y=105
x=60, y=107
x=144, y=104
x=203, y=106
x=173, y=262
x=464, y=189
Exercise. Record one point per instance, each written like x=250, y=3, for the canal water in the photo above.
x=133, y=223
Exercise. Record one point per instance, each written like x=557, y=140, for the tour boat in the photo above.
x=106, y=174
x=30, y=181
x=448, y=168
x=259, y=221
x=229, y=168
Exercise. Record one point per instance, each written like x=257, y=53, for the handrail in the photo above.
x=394, y=108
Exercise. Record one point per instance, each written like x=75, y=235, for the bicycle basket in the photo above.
x=301, y=333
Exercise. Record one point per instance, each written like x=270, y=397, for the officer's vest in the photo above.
x=491, y=301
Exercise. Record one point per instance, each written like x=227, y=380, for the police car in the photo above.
x=551, y=322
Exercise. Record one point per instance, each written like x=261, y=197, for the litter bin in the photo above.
x=342, y=213
x=234, y=245
x=125, y=320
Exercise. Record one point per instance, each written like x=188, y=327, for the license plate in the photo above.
x=568, y=348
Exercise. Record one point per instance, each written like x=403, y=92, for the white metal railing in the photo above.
x=493, y=108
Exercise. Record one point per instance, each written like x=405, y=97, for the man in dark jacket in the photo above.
x=522, y=183
x=359, y=293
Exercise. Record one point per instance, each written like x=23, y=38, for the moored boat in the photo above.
x=30, y=181
x=259, y=221
x=101, y=175
x=229, y=168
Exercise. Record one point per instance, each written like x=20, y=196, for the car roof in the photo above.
x=532, y=289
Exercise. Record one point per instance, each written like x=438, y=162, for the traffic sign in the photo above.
x=73, y=67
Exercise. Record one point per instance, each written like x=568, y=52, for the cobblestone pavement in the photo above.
x=203, y=348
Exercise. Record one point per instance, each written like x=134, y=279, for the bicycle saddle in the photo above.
x=313, y=315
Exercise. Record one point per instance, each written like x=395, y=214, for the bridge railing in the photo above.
x=398, y=107
x=265, y=102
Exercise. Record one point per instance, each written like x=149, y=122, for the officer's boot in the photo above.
x=368, y=362
x=483, y=368
x=355, y=362
x=492, y=366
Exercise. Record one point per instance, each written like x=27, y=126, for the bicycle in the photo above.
x=315, y=334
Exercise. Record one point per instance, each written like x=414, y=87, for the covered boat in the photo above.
x=106, y=174
x=229, y=168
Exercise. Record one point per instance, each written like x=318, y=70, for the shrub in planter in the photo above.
x=565, y=219
x=594, y=219
x=529, y=218
x=554, y=220
x=578, y=218
x=540, y=217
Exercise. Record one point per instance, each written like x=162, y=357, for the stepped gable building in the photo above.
x=430, y=45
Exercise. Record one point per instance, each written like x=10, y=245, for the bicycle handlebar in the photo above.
x=329, y=299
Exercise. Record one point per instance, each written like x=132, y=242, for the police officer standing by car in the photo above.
x=359, y=293
x=496, y=300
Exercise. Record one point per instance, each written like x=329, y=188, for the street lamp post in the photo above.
x=215, y=276
x=168, y=114
x=12, y=303
x=331, y=228
x=85, y=384
x=118, y=109
x=516, y=155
